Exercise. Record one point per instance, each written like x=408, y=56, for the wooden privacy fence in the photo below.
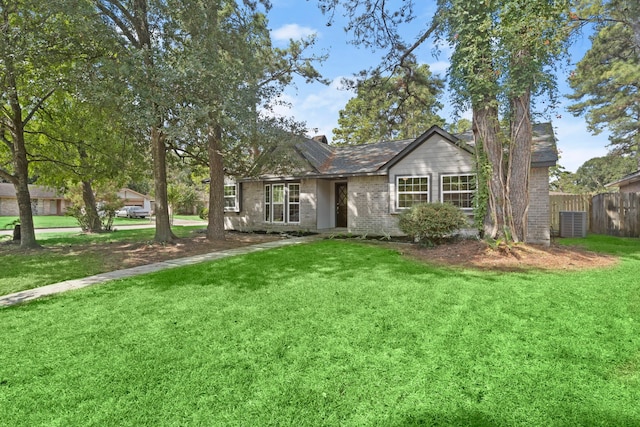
x=616, y=214
x=567, y=202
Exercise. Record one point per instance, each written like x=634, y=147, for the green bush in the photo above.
x=432, y=222
x=204, y=213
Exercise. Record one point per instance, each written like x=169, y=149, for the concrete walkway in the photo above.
x=56, y=288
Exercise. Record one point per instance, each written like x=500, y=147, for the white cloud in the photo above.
x=292, y=32
x=318, y=107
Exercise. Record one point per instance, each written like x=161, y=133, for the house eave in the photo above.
x=627, y=180
x=313, y=176
x=547, y=164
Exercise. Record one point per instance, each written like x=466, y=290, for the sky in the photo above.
x=318, y=105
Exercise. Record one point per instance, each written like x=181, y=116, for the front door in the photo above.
x=341, y=204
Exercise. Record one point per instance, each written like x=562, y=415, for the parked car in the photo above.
x=132, y=212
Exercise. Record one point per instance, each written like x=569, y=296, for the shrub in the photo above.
x=204, y=213
x=432, y=222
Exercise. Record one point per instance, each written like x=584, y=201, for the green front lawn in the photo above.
x=53, y=221
x=331, y=333
x=20, y=271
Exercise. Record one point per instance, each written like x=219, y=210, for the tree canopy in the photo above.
x=399, y=106
x=503, y=54
x=606, y=81
x=594, y=174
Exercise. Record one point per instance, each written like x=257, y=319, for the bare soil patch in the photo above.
x=515, y=257
x=120, y=255
x=464, y=253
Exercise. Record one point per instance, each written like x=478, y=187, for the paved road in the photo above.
x=150, y=224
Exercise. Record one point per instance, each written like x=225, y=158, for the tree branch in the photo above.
x=8, y=177
x=118, y=22
x=37, y=107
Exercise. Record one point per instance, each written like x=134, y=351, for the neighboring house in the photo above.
x=628, y=183
x=45, y=201
x=133, y=198
x=362, y=189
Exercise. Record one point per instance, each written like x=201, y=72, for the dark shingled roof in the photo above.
x=625, y=180
x=370, y=159
x=35, y=191
x=350, y=160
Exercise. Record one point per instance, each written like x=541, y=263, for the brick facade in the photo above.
x=369, y=207
x=538, y=222
x=251, y=215
x=372, y=174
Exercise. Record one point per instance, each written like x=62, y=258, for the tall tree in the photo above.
x=41, y=43
x=86, y=143
x=502, y=54
x=606, y=81
x=148, y=30
x=399, y=106
x=229, y=73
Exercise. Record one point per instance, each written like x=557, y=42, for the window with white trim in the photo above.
x=293, y=211
x=277, y=202
x=411, y=191
x=231, y=202
x=458, y=190
x=282, y=203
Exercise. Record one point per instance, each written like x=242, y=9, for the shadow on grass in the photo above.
x=479, y=419
x=324, y=261
x=470, y=419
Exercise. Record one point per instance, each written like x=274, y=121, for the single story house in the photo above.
x=627, y=184
x=46, y=201
x=132, y=198
x=362, y=189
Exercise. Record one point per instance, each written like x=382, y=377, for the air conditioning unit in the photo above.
x=573, y=224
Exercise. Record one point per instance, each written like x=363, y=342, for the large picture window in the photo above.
x=412, y=190
x=282, y=203
x=458, y=190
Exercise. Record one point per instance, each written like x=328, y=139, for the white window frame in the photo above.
x=399, y=192
x=292, y=203
x=235, y=197
x=281, y=203
x=472, y=192
x=287, y=203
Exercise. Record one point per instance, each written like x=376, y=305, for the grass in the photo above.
x=22, y=271
x=54, y=221
x=331, y=333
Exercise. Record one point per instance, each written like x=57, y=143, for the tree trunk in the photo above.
x=519, y=166
x=159, y=153
x=215, y=227
x=27, y=230
x=93, y=218
x=20, y=165
x=488, y=137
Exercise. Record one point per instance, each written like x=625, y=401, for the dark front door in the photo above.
x=341, y=204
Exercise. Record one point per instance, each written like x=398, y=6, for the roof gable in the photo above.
x=433, y=131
